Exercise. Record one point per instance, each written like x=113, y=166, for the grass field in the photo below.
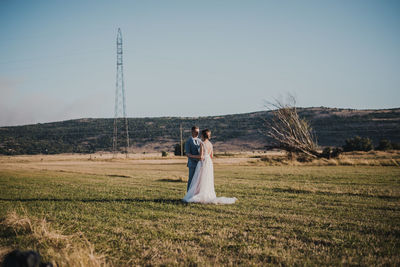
x=128, y=212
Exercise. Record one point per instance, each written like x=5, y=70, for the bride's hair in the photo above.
x=206, y=134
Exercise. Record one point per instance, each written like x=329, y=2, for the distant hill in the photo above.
x=237, y=132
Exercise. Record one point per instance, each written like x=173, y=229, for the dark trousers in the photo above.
x=191, y=173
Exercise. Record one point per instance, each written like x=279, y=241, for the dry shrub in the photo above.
x=347, y=159
x=59, y=249
x=332, y=162
x=17, y=222
x=395, y=163
x=366, y=162
x=289, y=131
x=389, y=162
x=275, y=160
x=346, y=162
x=325, y=162
x=377, y=161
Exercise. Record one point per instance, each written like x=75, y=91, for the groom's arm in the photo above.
x=200, y=156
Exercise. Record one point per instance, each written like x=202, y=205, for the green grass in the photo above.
x=307, y=215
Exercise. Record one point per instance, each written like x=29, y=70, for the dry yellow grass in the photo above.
x=59, y=249
x=373, y=158
x=131, y=214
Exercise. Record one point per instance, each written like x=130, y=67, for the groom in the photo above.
x=192, y=146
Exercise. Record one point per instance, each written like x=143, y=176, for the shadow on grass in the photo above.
x=178, y=180
x=300, y=191
x=100, y=200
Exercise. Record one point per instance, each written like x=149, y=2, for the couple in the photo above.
x=200, y=186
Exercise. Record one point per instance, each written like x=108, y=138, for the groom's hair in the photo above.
x=194, y=128
x=206, y=134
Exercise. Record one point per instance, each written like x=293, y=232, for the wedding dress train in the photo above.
x=201, y=189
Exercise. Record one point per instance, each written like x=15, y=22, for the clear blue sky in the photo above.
x=195, y=58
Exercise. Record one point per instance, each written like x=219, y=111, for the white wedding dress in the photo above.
x=201, y=189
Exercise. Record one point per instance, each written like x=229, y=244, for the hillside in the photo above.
x=238, y=132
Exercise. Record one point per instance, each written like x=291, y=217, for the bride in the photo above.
x=201, y=188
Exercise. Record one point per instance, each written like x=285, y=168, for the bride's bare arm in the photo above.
x=202, y=151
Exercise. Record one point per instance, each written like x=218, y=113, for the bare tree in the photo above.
x=289, y=131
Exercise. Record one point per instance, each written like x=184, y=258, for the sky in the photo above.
x=195, y=58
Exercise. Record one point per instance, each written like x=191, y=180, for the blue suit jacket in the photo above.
x=192, y=146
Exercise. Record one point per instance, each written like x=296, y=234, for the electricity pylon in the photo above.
x=120, y=93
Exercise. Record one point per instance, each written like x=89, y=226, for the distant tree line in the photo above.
x=365, y=144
